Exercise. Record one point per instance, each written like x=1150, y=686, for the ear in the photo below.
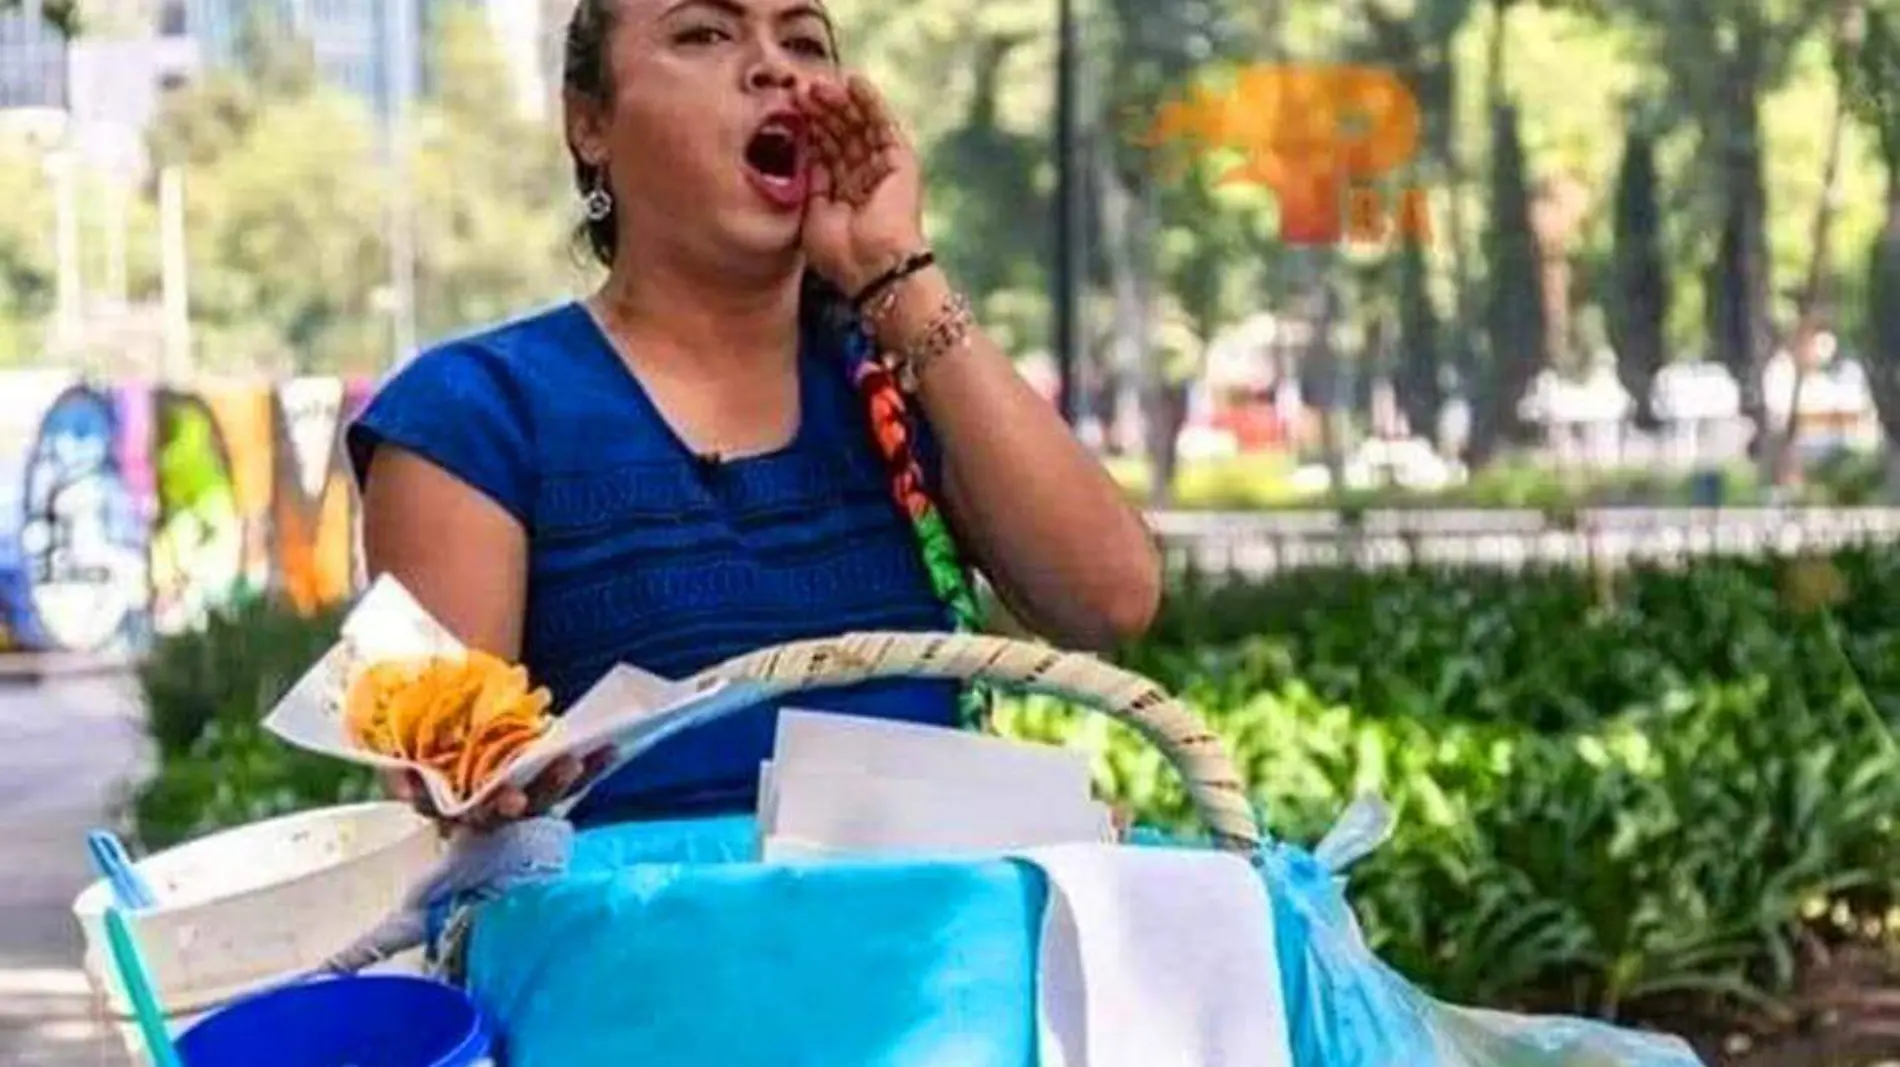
x=586, y=120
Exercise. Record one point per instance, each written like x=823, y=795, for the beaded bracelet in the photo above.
x=950, y=329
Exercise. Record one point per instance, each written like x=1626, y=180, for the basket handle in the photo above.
x=1195, y=751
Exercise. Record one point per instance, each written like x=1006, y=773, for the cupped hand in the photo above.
x=866, y=208
x=508, y=803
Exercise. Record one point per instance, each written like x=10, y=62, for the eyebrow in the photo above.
x=739, y=10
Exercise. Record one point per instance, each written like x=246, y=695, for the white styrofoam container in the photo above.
x=256, y=906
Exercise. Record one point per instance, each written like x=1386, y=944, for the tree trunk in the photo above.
x=1883, y=328
x=1125, y=228
x=1515, y=316
x=1784, y=463
x=1493, y=419
x=1461, y=351
x=1331, y=442
x=1744, y=330
x=1421, y=394
x=1494, y=93
x=1638, y=308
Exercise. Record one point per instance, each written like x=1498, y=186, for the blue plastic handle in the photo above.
x=138, y=990
x=129, y=890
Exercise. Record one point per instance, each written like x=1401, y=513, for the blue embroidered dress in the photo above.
x=640, y=552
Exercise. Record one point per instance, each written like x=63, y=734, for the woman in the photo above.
x=701, y=459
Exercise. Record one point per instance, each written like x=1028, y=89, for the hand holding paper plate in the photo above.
x=399, y=692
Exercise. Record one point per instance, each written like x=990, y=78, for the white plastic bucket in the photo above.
x=245, y=909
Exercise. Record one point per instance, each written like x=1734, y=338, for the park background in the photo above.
x=1565, y=529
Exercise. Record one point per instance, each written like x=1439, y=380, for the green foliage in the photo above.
x=1261, y=480
x=26, y=257
x=288, y=183
x=1613, y=794
x=204, y=693
x=1613, y=798
x=1870, y=77
x=288, y=191
x=248, y=653
x=237, y=774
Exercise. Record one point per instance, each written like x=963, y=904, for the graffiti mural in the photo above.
x=142, y=508
x=312, y=508
x=81, y=535
x=197, y=549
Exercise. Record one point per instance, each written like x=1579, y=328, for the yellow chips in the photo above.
x=464, y=716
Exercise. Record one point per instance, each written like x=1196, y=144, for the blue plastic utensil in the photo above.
x=129, y=890
x=138, y=989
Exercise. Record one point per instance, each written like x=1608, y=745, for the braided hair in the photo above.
x=828, y=316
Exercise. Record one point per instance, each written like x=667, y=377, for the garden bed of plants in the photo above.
x=205, y=693
x=1663, y=796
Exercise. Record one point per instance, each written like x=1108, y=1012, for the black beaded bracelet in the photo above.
x=891, y=277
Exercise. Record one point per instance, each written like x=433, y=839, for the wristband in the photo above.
x=905, y=269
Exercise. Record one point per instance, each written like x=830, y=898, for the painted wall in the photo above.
x=128, y=509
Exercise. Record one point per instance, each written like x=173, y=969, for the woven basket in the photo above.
x=1196, y=752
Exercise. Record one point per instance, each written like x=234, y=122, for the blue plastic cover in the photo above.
x=661, y=948
x=664, y=948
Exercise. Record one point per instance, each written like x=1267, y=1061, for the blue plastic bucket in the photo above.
x=365, y=1021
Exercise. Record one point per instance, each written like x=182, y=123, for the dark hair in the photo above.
x=588, y=72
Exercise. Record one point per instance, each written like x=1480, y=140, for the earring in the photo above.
x=598, y=203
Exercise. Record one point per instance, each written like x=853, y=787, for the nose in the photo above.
x=773, y=69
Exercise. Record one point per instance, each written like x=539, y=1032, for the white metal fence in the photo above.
x=1257, y=543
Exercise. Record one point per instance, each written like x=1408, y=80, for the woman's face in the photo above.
x=701, y=138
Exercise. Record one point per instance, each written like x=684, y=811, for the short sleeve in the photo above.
x=456, y=408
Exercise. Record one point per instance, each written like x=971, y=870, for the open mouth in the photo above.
x=775, y=163
x=774, y=151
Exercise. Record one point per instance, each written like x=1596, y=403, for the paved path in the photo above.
x=68, y=745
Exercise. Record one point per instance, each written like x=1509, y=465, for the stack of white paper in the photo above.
x=847, y=785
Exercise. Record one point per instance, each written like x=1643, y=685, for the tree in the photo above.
x=1418, y=41
x=287, y=243
x=495, y=203
x=27, y=282
x=1514, y=316
x=1781, y=460
x=1154, y=234
x=994, y=221
x=287, y=190
x=1637, y=304
x=1722, y=58
x=1870, y=78
x=1420, y=361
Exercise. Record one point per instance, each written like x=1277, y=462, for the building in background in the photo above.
x=32, y=61
x=92, y=97
x=114, y=88
x=351, y=40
